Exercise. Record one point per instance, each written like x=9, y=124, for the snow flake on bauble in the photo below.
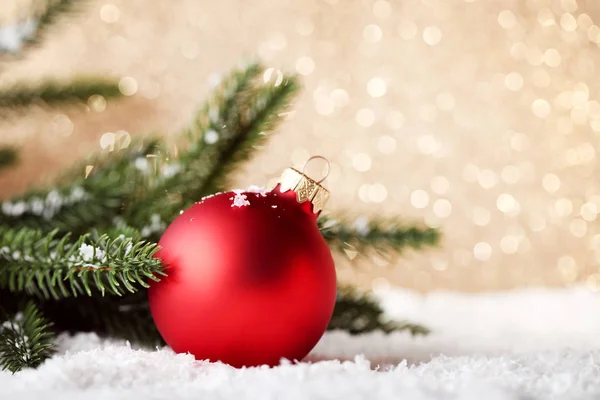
x=240, y=199
x=257, y=189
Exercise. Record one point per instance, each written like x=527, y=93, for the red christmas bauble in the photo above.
x=250, y=279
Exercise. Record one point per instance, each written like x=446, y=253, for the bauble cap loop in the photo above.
x=306, y=188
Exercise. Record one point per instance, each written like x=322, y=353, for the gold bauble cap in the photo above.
x=306, y=188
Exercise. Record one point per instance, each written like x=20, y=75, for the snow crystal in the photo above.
x=90, y=253
x=361, y=225
x=12, y=37
x=211, y=137
x=257, y=189
x=240, y=199
x=171, y=170
x=214, y=80
x=156, y=226
x=142, y=164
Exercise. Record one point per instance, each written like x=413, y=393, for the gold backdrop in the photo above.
x=478, y=116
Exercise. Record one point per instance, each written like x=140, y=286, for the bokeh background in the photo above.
x=480, y=117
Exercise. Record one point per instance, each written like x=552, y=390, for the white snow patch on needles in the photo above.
x=527, y=344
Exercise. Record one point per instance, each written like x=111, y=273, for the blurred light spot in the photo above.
x=97, y=103
x=419, y=198
x=578, y=228
x=304, y=26
x=394, y=120
x=445, y=101
x=428, y=113
x=88, y=170
x=377, y=193
x=537, y=222
x=507, y=19
x=376, y=87
x=190, y=49
x=563, y=207
x=568, y=22
x=382, y=9
x=509, y=244
x=482, y=251
x=442, y=208
x=110, y=13
x=380, y=285
x=541, y=78
x=470, y=173
x=567, y=267
x=407, y=30
x=568, y=5
x=552, y=58
x=487, y=179
x=363, y=192
x=372, y=33
x=107, y=141
x=589, y=211
x=545, y=17
x=551, y=183
x=211, y=137
x=62, y=125
x=513, y=81
x=386, y=144
x=506, y=203
x=440, y=185
x=540, y=108
x=128, y=86
x=481, y=216
x=361, y=162
x=365, y=117
x=272, y=74
x=428, y=144
x=340, y=97
x=305, y=65
x=432, y=35
x=510, y=174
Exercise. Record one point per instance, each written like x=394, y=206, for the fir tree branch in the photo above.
x=25, y=340
x=90, y=194
x=47, y=265
x=357, y=313
x=53, y=92
x=127, y=317
x=30, y=31
x=227, y=130
x=8, y=157
x=376, y=234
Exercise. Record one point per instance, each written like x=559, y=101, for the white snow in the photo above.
x=239, y=199
x=46, y=208
x=12, y=37
x=523, y=345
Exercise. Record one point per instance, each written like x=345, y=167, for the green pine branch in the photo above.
x=51, y=266
x=126, y=317
x=91, y=194
x=375, y=234
x=54, y=92
x=358, y=313
x=26, y=340
x=230, y=127
x=37, y=25
x=8, y=157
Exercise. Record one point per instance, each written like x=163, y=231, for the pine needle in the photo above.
x=25, y=340
x=51, y=266
x=54, y=92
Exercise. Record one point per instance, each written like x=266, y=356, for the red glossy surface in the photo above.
x=247, y=285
